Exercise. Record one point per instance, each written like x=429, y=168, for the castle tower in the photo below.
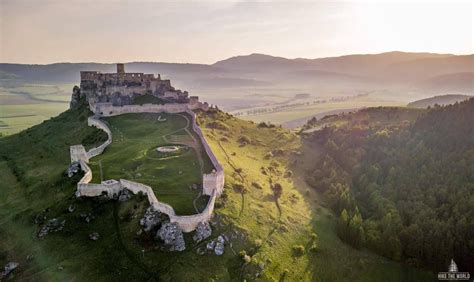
x=120, y=68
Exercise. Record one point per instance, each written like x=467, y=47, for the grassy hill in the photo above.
x=286, y=235
x=441, y=100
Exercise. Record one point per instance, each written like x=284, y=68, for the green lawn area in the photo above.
x=133, y=156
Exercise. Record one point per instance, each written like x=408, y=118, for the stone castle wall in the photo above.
x=213, y=183
x=100, y=125
x=107, y=109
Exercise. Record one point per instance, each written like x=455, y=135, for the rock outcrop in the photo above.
x=53, y=225
x=75, y=97
x=172, y=236
x=9, y=268
x=203, y=231
x=151, y=219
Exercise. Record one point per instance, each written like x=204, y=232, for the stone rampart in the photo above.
x=91, y=121
x=214, y=180
x=213, y=183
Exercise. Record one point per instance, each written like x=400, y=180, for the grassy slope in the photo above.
x=118, y=254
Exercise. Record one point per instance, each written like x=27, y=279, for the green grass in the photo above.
x=32, y=166
x=133, y=156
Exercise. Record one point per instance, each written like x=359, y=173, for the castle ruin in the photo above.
x=121, y=88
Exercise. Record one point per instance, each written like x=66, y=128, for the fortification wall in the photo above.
x=91, y=121
x=214, y=180
x=213, y=183
x=78, y=153
x=188, y=223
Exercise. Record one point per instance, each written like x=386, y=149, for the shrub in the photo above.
x=243, y=139
x=275, y=164
x=268, y=156
x=247, y=259
x=239, y=187
x=314, y=237
x=217, y=125
x=258, y=243
x=298, y=250
x=242, y=253
x=277, y=190
x=288, y=174
x=257, y=185
x=224, y=139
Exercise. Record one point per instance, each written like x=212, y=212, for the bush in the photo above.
x=288, y=174
x=314, y=248
x=239, y=187
x=257, y=185
x=268, y=156
x=275, y=164
x=258, y=243
x=243, y=139
x=247, y=259
x=217, y=125
x=298, y=250
x=224, y=139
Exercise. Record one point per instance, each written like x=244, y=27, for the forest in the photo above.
x=401, y=181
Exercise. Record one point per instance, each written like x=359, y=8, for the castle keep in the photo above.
x=121, y=88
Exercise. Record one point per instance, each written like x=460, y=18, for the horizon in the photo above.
x=46, y=32
x=235, y=56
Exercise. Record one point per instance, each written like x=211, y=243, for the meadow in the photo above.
x=176, y=178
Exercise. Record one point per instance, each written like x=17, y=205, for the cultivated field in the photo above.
x=23, y=105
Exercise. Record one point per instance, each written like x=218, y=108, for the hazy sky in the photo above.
x=46, y=31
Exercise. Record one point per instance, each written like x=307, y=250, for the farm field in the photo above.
x=23, y=105
x=176, y=177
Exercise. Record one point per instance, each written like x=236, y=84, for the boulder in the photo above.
x=9, y=268
x=203, y=231
x=53, y=225
x=211, y=245
x=219, y=249
x=75, y=97
x=151, y=219
x=125, y=195
x=73, y=168
x=172, y=235
x=94, y=236
x=71, y=208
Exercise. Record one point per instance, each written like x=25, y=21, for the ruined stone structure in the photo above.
x=213, y=183
x=121, y=88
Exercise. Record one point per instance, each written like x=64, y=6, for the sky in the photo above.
x=49, y=31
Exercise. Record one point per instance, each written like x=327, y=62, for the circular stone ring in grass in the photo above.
x=168, y=149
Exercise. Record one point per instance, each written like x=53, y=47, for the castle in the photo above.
x=112, y=94
x=121, y=88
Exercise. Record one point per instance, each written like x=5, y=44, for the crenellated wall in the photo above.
x=213, y=183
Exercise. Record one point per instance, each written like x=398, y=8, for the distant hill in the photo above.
x=440, y=100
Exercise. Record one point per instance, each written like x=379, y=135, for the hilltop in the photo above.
x=287, y=234
x=441, y=100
